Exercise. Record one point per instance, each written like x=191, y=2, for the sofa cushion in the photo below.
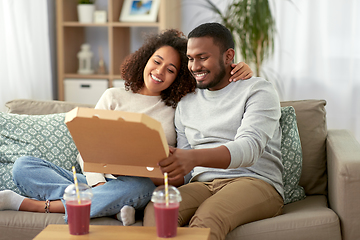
x=26, y=225
x=311, y=122
x=306, y=219
x=37, y=107
x=42, y=136
x=291, y=154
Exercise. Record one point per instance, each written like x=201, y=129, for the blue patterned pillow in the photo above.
x=291, y=153
x=42, y=136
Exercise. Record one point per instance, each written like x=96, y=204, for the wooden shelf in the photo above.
x=77, y=24
x=71, y=35
x=112, y=24
x=83, y=76
x=134, y=24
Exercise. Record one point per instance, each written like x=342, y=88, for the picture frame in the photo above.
x=139, y=11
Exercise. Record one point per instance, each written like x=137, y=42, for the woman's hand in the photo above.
x=240, y=71
x=98, y=184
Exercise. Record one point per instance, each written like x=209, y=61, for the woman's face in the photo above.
x=160, y=71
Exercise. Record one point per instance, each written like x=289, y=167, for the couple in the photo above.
x=228, y=138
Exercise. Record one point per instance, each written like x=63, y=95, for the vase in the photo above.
x=86, y=13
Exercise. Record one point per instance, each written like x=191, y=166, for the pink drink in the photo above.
x=78, y=216
x=166, y=219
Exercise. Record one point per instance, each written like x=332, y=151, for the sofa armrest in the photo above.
x=343, y=162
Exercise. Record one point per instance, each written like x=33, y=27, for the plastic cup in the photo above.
x=78, y=213
x=166, y=215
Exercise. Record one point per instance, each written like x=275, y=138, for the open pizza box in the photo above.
x=116, y=142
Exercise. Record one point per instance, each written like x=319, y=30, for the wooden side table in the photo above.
x=59, y=231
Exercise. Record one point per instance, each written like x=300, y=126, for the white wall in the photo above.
x=52, y=36
x=194, y=13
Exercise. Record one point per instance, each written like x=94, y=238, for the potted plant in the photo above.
x=86, y=10
x=252, y=26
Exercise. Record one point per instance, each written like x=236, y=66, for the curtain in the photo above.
x=25, y=66
x=317, y=56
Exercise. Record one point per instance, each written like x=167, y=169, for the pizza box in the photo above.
x=116, y=142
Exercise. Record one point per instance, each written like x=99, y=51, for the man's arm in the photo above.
x=174, y=182
x=257, y=127
x=182, y=161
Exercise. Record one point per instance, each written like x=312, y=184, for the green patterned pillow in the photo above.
x=41, y=136
x=291, y=153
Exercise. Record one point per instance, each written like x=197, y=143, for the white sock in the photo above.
x=126, y=215
x=10, y=200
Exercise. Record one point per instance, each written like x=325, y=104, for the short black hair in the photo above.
x=221, y=36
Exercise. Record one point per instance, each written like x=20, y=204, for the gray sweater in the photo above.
x=244, y=117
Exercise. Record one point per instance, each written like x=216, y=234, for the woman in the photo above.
x=156, y=79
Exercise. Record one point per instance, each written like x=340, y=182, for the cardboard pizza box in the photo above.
x=116, y=142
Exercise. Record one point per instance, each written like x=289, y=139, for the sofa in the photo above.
x=329, y=178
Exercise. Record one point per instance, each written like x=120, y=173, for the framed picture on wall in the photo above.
x=139, y=11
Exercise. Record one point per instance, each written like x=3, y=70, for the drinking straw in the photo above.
x=76, y=185
x=166, y=189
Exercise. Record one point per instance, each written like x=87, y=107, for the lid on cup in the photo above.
x=158, y=195
x=85, y=192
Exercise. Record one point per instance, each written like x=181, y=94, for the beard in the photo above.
x=217, y=78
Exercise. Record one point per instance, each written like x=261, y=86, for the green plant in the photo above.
x=86, y=1
x=252, y=26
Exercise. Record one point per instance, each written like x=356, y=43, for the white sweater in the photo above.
x=244, y=117
x=121, y=100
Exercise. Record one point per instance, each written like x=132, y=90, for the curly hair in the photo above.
x=133, y=66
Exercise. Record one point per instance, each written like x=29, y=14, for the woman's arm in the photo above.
x=240, y=71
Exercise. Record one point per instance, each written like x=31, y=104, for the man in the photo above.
x=228, y=139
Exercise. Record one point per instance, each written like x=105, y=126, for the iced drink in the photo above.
x=166, y=215
x=78, y=212
x=78, y=216
x=166, y=219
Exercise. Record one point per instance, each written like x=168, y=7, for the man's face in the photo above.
x=206, y=63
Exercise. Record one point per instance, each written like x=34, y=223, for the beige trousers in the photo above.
x=224, y=204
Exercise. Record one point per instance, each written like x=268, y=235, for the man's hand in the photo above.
x=241, y=71
x=178, y=164
x=175, y=183
x=182, y=161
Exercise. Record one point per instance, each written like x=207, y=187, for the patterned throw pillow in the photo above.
x=291, y=153
x=41, y=136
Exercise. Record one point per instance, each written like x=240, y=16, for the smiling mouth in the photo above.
x=156, y=79
x=200, y=76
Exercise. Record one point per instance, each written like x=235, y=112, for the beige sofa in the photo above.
x=330, y=177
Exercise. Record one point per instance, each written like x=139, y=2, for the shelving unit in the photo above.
x=71, y=35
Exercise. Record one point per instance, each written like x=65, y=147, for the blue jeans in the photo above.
x=43, y=180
